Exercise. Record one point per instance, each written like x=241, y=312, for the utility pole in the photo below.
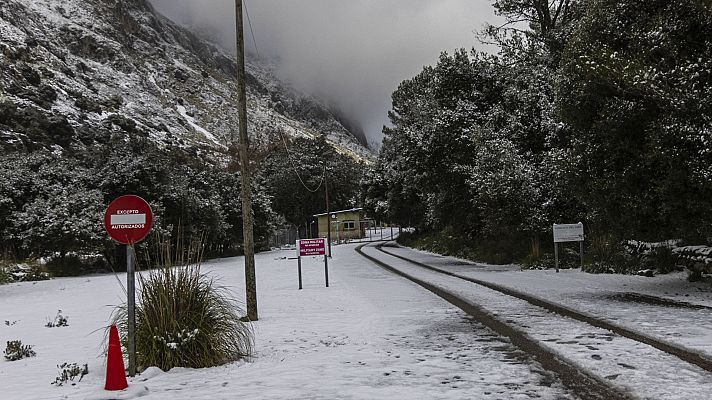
x=246, y=190
x=328, y=215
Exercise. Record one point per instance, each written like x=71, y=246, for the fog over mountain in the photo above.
x=350, y=54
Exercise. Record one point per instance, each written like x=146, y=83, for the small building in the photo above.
x=345, y=224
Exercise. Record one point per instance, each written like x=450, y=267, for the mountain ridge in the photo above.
x=74, y=72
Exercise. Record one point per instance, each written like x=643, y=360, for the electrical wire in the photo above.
x=323, y=176
x=249, y=22
x=284, y=141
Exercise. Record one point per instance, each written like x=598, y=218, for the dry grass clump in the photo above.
x=183, y=317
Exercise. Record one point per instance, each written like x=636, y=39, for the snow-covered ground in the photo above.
x=606, y=296
x=629, y=365
x=370, y=335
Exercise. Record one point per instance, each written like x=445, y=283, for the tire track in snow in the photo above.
x=583, y=384
x=672, y=349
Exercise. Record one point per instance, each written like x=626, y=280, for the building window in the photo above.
x=349, y=225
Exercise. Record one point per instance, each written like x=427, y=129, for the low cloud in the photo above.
x=350, y=54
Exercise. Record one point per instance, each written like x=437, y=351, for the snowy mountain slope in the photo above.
x=75, y=72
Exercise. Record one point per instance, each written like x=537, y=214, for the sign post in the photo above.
x=299, y=267
x=567, y=233
x=312, y=247
x=127, y=220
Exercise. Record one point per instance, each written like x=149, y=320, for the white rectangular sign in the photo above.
x=128, y=219
x=568, y=233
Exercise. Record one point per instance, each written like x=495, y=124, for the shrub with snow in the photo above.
x=58, y=321
x=29, y=273
x=15, y=350
x=183, y=318
x=67, y=373
x=5, y=276
x=697, y=259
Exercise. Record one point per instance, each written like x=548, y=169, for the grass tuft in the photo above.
x=183, y=317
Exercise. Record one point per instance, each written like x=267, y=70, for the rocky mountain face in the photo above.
x=76, y=72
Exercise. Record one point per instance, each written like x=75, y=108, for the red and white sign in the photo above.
x=311, y=247
x=128, y=219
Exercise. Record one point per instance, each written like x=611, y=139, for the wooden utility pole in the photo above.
x=328, y=215
x=246, y=190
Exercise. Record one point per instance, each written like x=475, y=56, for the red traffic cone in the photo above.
x=115, y=372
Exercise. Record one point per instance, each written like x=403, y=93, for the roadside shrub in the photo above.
x=69, y=265
x=183, y=317
x=608, y=255
x=58, y=321
x=448, y=242
x=663, y=259
x=67, y=372
x=697, y=260
x=535, y=253
x=5, y=276
x=76, y=265
x=15, y=350
x=24, y=272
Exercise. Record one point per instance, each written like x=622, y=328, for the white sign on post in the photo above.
x=568, y=233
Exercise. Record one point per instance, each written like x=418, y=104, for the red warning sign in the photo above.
x=311, y=247
x=128, y=219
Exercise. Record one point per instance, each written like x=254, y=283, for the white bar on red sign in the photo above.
x=128, y=219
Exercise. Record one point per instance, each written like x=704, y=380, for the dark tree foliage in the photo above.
x=48, y=205
x=548, y=22
x=453, y=156
x=294, y=177
x=593, y=111
x=53, y=204
x=636, y=88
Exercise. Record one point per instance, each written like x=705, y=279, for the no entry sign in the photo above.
x=128, y=219
x=312, y=247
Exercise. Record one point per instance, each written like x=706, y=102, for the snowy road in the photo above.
x=370, y=335
x=631, y=366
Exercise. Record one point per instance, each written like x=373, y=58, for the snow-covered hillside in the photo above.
x=74, y=72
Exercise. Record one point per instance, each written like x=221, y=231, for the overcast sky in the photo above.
x=349, y=53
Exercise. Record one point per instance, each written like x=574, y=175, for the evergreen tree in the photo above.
x=635, y=88
x=295, y=174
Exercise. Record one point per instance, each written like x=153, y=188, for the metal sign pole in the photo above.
x=581, y=252
x=326, y=270
x=131, y=300
x=556, y=255
x=299, y=267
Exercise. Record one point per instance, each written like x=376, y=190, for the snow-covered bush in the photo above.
x=58, y=321
x=66, y=265
x=606, y=255
x=697, y=259
x=183, y=317
x=15, y=350
x=658, y=256
x=27, y=272
x=5, y=276
x=67, y=372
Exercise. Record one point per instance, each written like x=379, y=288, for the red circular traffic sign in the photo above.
x=128, y=219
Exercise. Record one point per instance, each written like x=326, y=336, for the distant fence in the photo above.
x=372, y=234
x=284, y=236
x=288, y=235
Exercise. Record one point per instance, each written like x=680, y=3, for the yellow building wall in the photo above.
x=337, y=226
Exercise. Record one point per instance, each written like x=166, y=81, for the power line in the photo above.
x=257, y=50
x=323, y=176
x=249, y=22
